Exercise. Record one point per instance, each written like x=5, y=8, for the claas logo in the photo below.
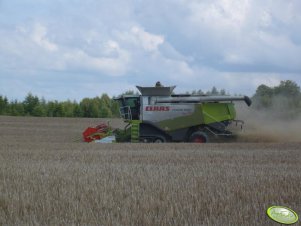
x=157, y=108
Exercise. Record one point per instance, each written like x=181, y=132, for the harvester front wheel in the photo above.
x=159, y=140
x=198, y=137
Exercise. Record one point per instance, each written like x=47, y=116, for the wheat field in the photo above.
x=49, y=177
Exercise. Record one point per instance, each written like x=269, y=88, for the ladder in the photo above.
x=135, y=131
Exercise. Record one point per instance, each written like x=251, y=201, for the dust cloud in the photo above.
x=268, y=125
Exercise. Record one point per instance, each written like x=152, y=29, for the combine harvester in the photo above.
x=158, y=116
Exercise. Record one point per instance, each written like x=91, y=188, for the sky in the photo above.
x=73, y=49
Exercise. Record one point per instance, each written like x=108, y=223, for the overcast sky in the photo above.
x=72, y=49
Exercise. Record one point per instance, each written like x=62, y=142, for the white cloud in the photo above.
x=112, y=88
x=163, y=60
x=114, y=66
x=236, y=58
x=250, y=81
x=149, y=42
x=265, y=19
x=268, y=80
x=219, y=13
x=30, y=46
x=277, y=50
x=39, y=36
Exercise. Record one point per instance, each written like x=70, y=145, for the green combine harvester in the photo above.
x=158, y=116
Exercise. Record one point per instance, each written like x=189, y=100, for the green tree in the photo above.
x=68, y=107
x=105, y=112
x=50, y=109
x=38, y=111
x=128, y=92
x=283, y=100
x=200, y=92
x=105, y=106
x=289, y=91
x=288, y=88
x=58, y=109
x=30, y=103
x=16, y=109
x=115, y=109
x=263, y=97
x=214, y=91
x=77, y=111
x=3, y=105
x=89, y=107
x=222, y=92
x=106, y=100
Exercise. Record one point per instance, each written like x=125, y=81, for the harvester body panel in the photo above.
x=173, y=117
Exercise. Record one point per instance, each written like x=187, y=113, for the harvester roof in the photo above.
x=156, y=91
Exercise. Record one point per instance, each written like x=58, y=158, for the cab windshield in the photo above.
x=129, y=107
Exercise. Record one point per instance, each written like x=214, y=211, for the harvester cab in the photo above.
x=129, y=107
x=158, y=115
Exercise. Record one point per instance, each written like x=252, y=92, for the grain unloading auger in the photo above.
x=158, y=115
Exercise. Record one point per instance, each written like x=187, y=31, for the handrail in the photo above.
x=125, y=112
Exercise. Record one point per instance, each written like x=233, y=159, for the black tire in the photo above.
x=199, y=137
x=160, y=139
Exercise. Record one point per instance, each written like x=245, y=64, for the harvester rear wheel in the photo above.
x=198, y=137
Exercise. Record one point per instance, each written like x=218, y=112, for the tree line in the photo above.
x=284, y=98
x=214, y=92
x=97, y=107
